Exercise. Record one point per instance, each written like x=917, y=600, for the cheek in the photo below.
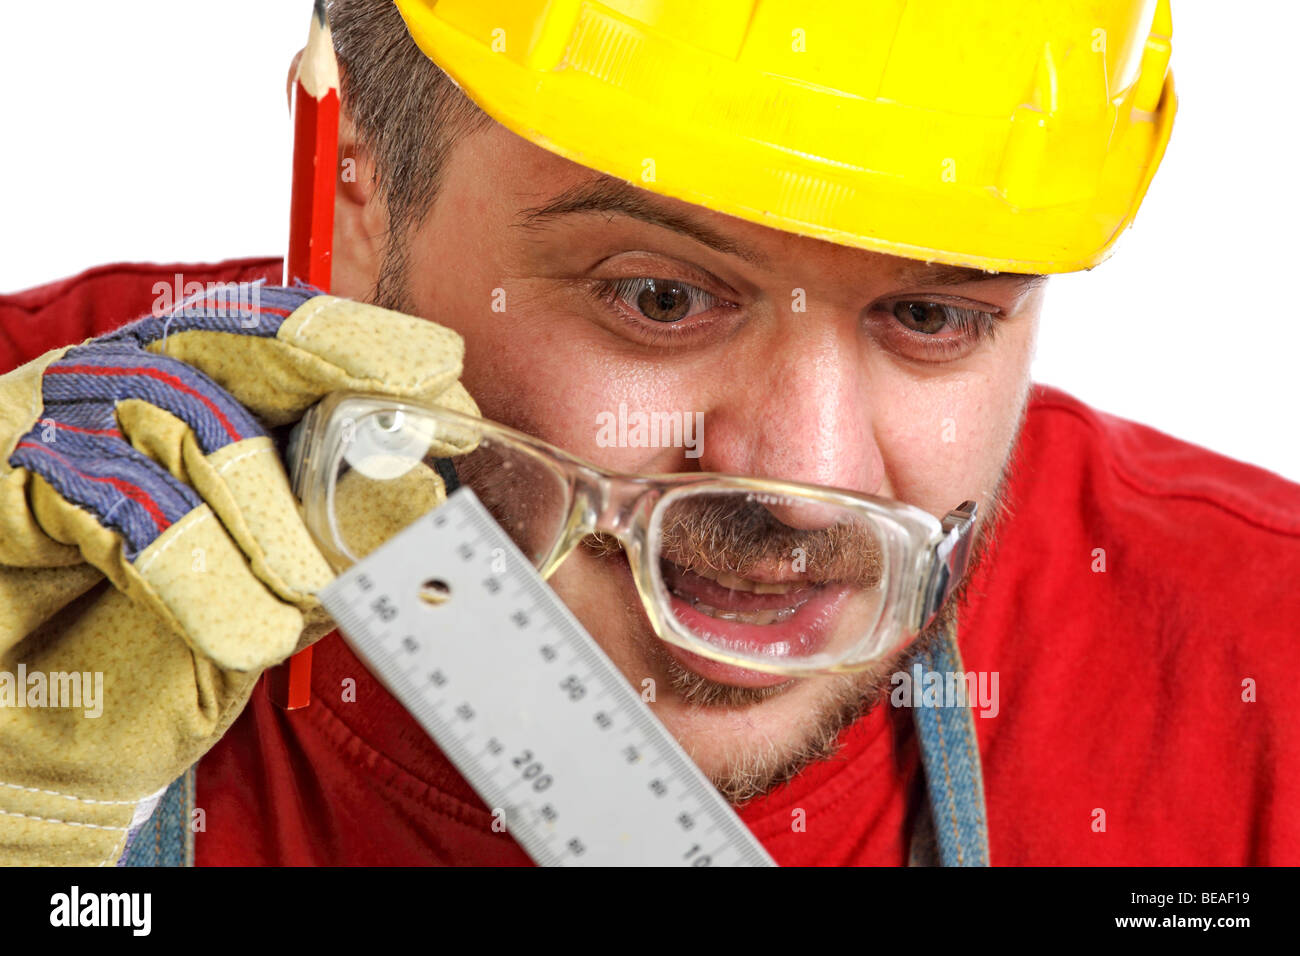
x=947, y=438
x=541, y=369
x=523, y=364
x=578, y=399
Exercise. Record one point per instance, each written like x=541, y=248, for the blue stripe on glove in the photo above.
x=76, y=445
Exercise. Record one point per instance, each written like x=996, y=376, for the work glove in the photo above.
x=152, y=555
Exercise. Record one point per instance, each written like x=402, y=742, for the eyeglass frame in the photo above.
x=940, y=548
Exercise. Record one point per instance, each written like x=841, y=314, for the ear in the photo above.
x=360, y=219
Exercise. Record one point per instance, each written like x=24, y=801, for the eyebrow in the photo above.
x=940, y=275
x=614, y=197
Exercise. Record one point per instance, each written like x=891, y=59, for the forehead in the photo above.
x=549, y=193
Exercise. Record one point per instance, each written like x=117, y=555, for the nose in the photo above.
x=799, y=410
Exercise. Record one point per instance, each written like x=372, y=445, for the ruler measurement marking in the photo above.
x=599, y=677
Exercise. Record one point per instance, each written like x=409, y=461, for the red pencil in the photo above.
x=315, y=160
x=311, y=235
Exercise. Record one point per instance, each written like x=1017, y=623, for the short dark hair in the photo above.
x=408, y=115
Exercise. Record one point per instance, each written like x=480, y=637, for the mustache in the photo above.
x=738, y=534
x=731, y=535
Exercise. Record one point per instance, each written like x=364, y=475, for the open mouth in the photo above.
x=767, y=615
x=769, y=612
x=730, y=597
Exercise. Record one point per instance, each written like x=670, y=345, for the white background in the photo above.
x=158, y=131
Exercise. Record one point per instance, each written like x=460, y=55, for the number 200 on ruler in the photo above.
x=525, y=703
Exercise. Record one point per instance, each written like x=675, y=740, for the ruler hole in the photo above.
x=435, y=592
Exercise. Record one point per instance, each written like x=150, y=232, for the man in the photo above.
x=1130, y=612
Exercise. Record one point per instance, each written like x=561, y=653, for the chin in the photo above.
x=746, y=731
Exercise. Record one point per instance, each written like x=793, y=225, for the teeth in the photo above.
x=736, y=583
x=775, y=616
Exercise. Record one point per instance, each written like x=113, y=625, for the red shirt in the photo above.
x=1152, y=698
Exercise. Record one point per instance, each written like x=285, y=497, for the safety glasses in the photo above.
x=774, y=576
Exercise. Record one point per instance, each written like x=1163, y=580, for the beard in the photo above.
x=847, y=697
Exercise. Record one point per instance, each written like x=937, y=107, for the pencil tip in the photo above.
x=318, y=69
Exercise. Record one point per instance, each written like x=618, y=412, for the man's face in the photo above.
x=809, y=361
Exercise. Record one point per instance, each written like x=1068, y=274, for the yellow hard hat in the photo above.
x=1007, y=135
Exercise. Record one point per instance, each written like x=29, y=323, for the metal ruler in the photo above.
x=459, y=626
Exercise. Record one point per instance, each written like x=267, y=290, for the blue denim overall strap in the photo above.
x=953, y=829
x=166, y=839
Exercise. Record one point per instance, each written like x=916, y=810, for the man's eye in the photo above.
x=661, y=300
x=931, y=318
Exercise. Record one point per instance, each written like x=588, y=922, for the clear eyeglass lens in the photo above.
x=397, y=466
x=738, y=575
x=771, y=578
